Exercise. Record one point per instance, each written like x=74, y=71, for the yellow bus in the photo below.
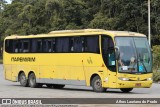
x=91, y=57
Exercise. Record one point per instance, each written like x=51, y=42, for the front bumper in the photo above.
x=134, y=84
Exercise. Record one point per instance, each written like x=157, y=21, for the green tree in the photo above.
x=156, y=57
x=26, y=17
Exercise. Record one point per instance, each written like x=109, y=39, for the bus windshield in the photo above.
x=135, y=55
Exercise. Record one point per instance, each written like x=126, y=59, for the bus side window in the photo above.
x=71, y=44
x=9, y=46
x=62, y=44
x=15, y=46
x=77, y=44
x=36, y=45
x=92, y=44
x=26, y=46
x=53, y=45
x=20, y=46
x=39, y=46
x=47, y=45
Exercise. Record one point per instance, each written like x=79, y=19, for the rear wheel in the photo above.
x=32, y=81
x=58, y=86
x=126, y=90
x=97, y=84
x=23, y=80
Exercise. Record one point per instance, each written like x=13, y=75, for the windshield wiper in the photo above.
x=142, y=62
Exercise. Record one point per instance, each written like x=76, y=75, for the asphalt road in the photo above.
x=14, y=90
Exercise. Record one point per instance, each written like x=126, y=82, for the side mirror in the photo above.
x=117, y=52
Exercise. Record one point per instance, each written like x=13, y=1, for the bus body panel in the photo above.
x=56, y=69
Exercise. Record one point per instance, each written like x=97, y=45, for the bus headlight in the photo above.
x=149, y=79
x=123, y=79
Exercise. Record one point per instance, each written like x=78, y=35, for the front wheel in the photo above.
x=97, y=84
x=126, y=90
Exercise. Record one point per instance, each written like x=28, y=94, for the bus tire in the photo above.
x=58, y=86
x=126, y=90
x=97, y=84
x=23, y=80
x=32, y=81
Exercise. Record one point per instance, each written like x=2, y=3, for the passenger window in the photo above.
x=26, y=46
x=39, y=46
x=20, y=47
x=47, y=45
x=62, y=44
x=92, y=44
x=53, y=44
x=15, y=46
x=77, y=44
x=36, y=45
x=9, y=46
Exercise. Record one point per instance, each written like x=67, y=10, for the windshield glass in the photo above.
x=135, y=56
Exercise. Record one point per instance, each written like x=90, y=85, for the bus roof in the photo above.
x=79, y=33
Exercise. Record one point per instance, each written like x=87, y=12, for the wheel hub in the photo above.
x=98, y=84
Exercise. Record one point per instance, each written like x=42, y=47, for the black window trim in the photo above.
x=43, y=38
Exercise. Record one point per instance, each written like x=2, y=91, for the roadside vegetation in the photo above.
x=156, y=76
x=156, y=63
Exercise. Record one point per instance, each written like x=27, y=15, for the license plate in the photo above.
x=138, y=84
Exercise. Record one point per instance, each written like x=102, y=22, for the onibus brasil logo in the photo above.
x=21, y=102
